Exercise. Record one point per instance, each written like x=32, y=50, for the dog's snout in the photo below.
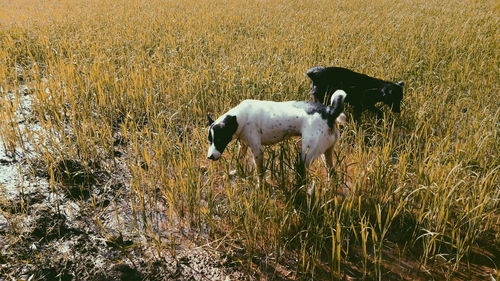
x=213, y=157
x=213, y=153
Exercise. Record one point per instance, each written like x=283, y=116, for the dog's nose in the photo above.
x=211, y=157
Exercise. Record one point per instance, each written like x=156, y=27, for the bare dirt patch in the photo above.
x=80, y=228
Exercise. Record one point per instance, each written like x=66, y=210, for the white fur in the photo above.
x=341, y=120
x=268, y=122
x=212, y=151
x=338, y=93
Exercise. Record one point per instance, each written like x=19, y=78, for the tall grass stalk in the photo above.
x=144, y=74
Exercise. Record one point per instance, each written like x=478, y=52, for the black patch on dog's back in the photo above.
x=328, y=113
x=223, y=132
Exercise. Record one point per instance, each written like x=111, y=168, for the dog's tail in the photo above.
x=336, y=108
x=337, y=101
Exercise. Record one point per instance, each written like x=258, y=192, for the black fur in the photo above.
x=328, y=113
x=363, y=91
x=223, y=132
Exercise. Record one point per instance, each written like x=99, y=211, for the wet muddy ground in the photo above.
x=83, y=229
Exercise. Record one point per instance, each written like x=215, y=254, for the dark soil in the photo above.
x=67, y=232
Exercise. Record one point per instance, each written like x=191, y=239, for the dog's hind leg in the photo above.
x=310, y=157
x=305, y=150
x=329, y=159
x=309, y=151
x=305, y=159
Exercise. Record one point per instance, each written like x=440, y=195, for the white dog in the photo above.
x=255, y=123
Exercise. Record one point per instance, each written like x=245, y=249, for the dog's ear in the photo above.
x=400, y=83
x=315, y=72
x=231, y=123
x=210, y=121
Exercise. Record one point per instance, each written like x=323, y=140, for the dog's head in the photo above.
x=220, y=133
x=392, y=94
x=319, y=87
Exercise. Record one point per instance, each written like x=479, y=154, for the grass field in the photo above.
x=414, y=198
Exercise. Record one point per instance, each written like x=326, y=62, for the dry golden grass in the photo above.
x=148, y=72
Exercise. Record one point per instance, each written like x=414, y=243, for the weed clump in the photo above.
x=74, y=178
x=49, y=226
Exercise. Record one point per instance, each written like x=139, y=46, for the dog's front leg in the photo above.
x=377, y=111
x=258, y=158
x=358, y=109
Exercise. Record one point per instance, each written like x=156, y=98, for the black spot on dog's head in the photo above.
x=392, y=94
x=220, y=134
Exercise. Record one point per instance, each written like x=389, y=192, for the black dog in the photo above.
x=363, y=91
